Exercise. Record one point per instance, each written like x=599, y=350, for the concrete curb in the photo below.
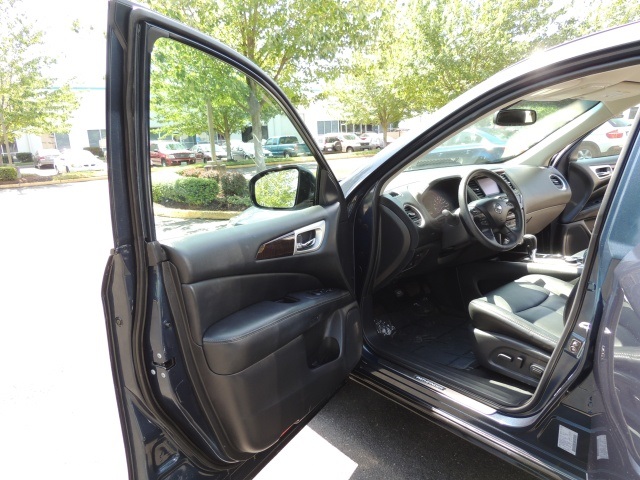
x=162, y=211
x=52, y=182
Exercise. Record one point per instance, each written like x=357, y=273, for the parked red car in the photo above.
x=167, y=153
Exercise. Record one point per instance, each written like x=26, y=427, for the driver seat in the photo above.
x=517, y=326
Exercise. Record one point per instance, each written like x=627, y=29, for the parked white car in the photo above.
x=606, y=140
x=45, y=157
x=372, y=139
x=78, y=160
x=341, y=142
x=247, y=150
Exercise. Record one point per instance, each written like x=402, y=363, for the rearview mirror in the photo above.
x=283, y=188
x=515, y=117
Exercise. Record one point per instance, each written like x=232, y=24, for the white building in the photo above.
x=88, y=125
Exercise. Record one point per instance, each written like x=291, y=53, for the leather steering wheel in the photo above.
x=497, y=221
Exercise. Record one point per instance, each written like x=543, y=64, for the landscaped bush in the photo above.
x=236, y=201
x=8, y=173
x=97, y=151
x=210, y=174
x=190, y=191
x=191, y=172
x=197, y=191
x=24, y=156
x=234, y=184
x=163, y=192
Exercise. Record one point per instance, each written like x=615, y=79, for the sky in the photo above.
x=81, y=57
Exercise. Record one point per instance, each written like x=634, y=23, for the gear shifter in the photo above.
x=531, y=244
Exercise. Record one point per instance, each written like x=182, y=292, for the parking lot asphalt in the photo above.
x=360, y=435
x=57, y=409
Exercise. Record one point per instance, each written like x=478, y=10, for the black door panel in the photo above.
x=209, y=301
x=257, y=404
x=233, y=251
x=588, y=179
x=269, y=339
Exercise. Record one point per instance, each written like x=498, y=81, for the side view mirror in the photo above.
x=290, y=187
x=515, y=117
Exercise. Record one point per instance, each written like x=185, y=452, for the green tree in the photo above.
x=459, y=43
x=29, y=100
x=380, y=86
x=603, y=14
x=191, y=93
x=297, y=42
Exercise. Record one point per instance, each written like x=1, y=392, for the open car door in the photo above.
x=223, y=340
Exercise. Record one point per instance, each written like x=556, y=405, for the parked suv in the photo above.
x=169, y=153
x=287, y=146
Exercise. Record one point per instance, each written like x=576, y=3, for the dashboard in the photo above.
x=419, y=208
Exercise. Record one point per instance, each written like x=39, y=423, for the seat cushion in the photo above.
x=530, y=309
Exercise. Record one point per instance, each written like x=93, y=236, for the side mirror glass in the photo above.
x=515, y=117
x=284, y=188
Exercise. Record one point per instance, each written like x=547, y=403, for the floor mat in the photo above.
x=428, y=334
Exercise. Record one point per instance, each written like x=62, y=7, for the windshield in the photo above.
x=485, y=142
x=174, y=146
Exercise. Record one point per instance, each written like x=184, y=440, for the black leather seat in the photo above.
x=517, y=326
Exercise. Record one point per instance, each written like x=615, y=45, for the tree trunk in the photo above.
x=5, y=141
x=227, y=136
x=385, y=129
x=212, y=131
x=255, y=108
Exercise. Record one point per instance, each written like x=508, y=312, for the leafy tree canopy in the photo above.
x=30, y=101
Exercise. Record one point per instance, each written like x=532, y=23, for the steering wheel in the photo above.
x=497, y=222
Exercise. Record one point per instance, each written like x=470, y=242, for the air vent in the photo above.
x=558, y=182
x=506, y=179
x=473, y=185
x=413, y=214
x=393, y=194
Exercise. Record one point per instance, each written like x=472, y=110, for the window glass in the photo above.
x=195, y=98
x=606, y=140
x=485, y=142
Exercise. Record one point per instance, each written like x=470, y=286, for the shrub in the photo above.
x=210, y=174
x=97, y=151
x=24, y=156
x=196, y=191
x=8, y=173
x=236, y=201
x=163, y=192
x=234, y=184
x=190, y=172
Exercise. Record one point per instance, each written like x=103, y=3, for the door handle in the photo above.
x=306, y=245
x=309, y=238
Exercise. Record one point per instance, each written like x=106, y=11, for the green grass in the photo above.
x=76, y=175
